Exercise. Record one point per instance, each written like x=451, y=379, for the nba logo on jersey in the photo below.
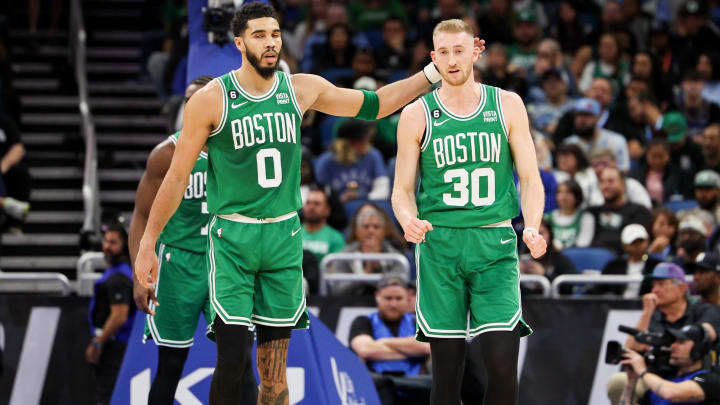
x=282, y=98
x=489, y=116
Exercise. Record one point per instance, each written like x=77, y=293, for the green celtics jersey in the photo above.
x=187, y=228
x=254, y=153
x=466, y=168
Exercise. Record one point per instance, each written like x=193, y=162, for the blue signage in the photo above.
x=321, y=370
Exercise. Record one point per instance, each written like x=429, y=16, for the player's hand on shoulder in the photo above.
x=535, y=242
x=415, y=230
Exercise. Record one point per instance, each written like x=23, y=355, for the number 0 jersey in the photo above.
x=254, y=154
x=466, y=168
x=187, y=228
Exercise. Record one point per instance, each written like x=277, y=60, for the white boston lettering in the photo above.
x=259, y=129
x=452, y=149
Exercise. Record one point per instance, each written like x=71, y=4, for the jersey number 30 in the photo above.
x=262, y=156
x=465, y=194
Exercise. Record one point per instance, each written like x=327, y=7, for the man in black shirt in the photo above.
x=111, y=313
x=616, y=213
x=385, y=340
x=14, y=177
x=691, y=385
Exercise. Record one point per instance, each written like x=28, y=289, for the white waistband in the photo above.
x=500, y=224
x=249, y=220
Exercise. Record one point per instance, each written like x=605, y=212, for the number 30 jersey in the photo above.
x=187, y=228
x=466, y=168
x=254, y=154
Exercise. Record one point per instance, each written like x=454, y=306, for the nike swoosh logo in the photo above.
x=437, y=124
x=294, y=233
x=502, y=242
x=234, y=106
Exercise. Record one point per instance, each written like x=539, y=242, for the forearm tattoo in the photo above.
x=271, y=362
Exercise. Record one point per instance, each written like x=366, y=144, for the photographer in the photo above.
x=691, y=385
x=666, y=307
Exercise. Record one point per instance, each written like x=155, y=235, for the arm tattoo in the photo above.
x=272, y=361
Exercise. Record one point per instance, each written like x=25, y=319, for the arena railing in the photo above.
x=78, y=55
x=326, y=278
x=594, y=279
x=34, y=283
x=86, y=275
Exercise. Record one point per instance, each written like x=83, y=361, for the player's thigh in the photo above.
x=279, y=295
x=441, y=305
x=181, y=291
x=233, y=260
x=493, y=278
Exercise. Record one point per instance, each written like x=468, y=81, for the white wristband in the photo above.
x=529, y=229
x=431, y=73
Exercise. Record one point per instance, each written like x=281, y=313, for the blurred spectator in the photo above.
x=337, y=52
x=369, y=15
x=644, y=69
x=662, y=181
x=353, y=168
x=707, y=191
x=710, y=142
x=552, y=264
x=686, y=153
x=569, y=224
x=161, y=64
x=385, y=341
x=337, y=218
x=315, y=45
x=498, y=71
x=690, y=242
x=611, y=217
x=549, y=57
x=693, y=33
x=645, y=112
x=635, y=261
x=708, y=66
x=371, y=231
x=612, y=119
x=609, y=64
x=568, y=30
x=527, y=34
x=15, y=182
x=664, y=232
x=363, y=65
x=546, y=113
x=431, y=13
x=494, y=23
x=706, y=278
x=637, y=21
x=572, y=163
x=394, y=54
x=313, y=23
x=698, y=112
x=602, y=158
x=588, y=135
x=111, y=313
x=318, y=236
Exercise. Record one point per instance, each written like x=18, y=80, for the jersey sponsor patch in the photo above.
x=282, y=98
x=233, y=94
x=490, y=116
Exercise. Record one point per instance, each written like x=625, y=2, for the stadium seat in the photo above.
x=676, y=206
x=589, y=258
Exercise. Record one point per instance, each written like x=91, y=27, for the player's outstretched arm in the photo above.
x=409, y=135
x=157, y=165
x=201, y=112
x=532, y=193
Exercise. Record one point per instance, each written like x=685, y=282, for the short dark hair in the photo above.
x=251, y=11
x=692, y=75
x=202, y=80
x=575, y=150
x=575, y=189
x=663, y=143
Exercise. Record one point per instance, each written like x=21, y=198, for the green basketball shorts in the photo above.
x=182, y=292
x=256, y=272
x=463, y=271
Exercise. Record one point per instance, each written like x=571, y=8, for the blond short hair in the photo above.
x=453, y=26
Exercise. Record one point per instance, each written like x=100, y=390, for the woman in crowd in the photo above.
x=570, y=225
x=664, y=231
x=572, y=163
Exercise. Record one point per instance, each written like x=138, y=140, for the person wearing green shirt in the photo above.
x=319, y=237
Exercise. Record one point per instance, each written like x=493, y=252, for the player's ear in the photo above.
x=432, y=56
x=239, y=44
x=475, y=54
